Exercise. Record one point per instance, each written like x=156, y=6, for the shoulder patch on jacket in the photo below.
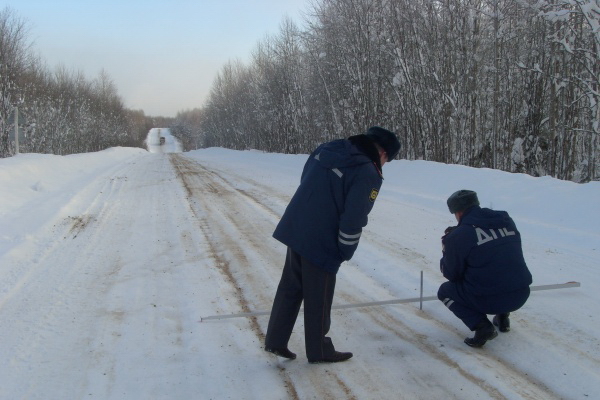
x=373, y=195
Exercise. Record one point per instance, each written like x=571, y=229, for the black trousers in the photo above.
x=302, y=281
x=473, y=309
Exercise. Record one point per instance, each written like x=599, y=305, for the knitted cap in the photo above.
x=386, y=139
x=461, y=200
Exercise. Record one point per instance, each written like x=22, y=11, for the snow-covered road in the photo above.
x=103, y=297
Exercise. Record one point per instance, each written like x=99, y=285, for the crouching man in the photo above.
x=483, y=262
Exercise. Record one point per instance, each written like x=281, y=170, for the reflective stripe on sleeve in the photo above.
x=349, y=240
x=448, y=302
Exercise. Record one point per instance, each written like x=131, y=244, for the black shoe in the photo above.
x=502, y=322
x=484, y=331
x=284, y=352
x=337, y=356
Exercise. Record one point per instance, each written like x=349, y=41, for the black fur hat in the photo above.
x=461, y=200
x=386, y=139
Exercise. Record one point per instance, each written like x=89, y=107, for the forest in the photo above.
x=504, y=84
x=59, y=111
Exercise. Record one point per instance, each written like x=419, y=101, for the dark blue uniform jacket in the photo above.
x=324, y=220
x=484, y=254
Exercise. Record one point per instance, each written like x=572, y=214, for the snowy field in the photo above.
x=109, y=260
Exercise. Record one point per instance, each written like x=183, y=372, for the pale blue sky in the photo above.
x=162, y=55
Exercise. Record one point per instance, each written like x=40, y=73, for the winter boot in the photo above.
x=336, y=356
x=502, y=322
x=484, y=331
x=283, y=352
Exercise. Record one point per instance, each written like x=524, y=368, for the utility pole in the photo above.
x=16, y=130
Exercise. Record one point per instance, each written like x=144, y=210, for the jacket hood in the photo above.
x=340, y=153
x=485, y=218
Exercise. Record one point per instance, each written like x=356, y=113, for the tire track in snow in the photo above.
x=391, y=320
x=220, y=211
x=202, y=190
x=519, y=381
x=526, y=386
x=194, y=179
x=201, y=184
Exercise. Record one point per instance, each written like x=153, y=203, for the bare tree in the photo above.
x=487, y=83
x=15, y=60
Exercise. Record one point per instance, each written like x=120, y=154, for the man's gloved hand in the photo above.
x=446, y=232
x=449, y=229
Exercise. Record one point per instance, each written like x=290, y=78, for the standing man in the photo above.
x=321, y=227
x=483, y=262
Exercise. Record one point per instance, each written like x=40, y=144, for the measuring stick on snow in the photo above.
x=420, y=299
x=421, y=294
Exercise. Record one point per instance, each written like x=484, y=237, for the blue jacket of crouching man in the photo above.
x=484, y=254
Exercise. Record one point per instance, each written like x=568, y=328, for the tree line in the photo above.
x=505, y=84
x=59, y=111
